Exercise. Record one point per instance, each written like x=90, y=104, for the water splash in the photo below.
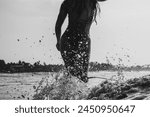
x=61, y=87
x=120, y=77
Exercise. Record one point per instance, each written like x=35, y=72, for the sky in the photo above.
x=121, y=35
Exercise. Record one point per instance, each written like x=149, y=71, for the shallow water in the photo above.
x=20, y=85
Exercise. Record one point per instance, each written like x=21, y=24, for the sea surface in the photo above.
x=21, y=85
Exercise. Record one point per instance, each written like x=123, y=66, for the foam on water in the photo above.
x=61, y=87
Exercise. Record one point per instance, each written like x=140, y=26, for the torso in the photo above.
x=82, y=22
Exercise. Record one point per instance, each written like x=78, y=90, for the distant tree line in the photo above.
x=95, y=66
x=22, y=66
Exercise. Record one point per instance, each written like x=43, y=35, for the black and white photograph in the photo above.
x=74, y=50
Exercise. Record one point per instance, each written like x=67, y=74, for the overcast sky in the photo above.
x=27, y=27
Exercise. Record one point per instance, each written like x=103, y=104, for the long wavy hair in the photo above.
x=80, y=5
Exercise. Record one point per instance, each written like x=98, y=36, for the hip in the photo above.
x=72, y=39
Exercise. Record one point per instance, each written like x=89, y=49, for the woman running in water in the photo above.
x=75, y=43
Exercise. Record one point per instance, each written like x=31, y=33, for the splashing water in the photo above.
x=119, y=77
x=61, y=87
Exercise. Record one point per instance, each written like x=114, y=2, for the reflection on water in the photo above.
x=20, y=85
